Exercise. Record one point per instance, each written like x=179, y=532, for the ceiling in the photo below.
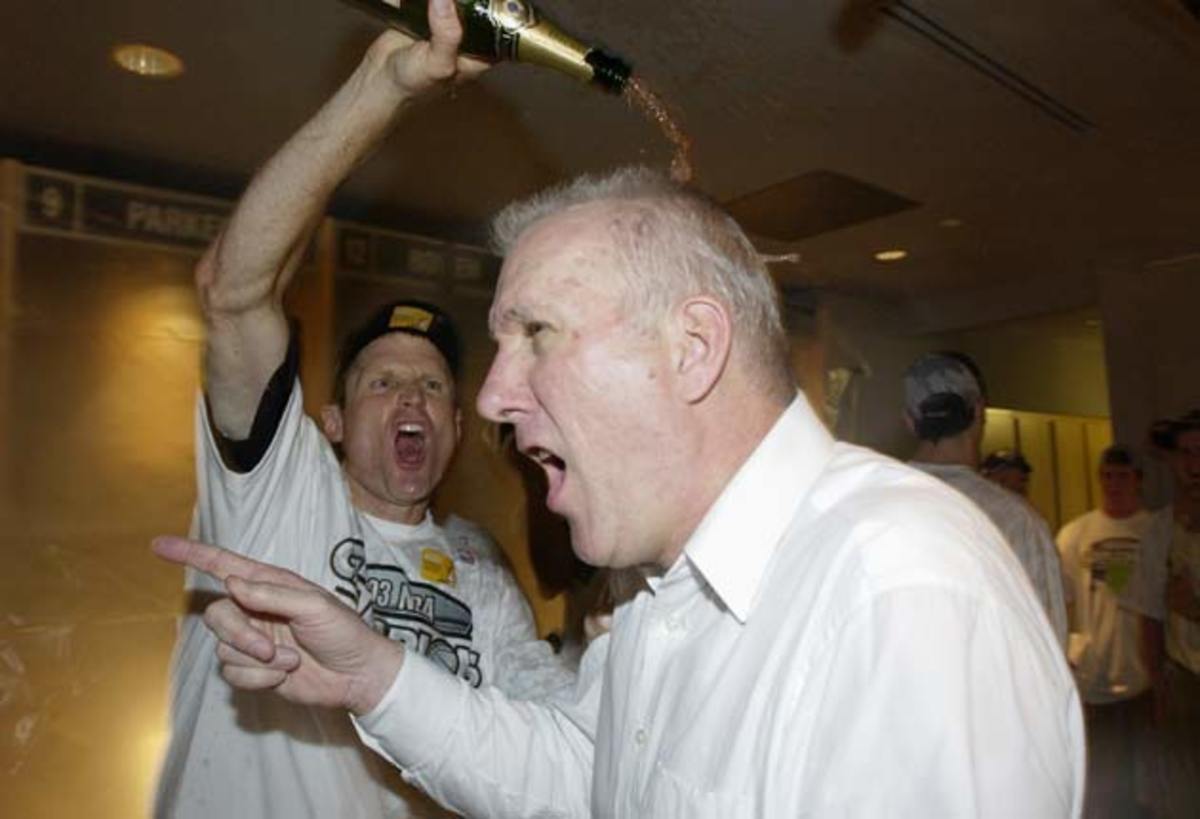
x=1060, y=137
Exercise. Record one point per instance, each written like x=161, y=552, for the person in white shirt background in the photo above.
x=1103, y=553
x=821, y=630
x=945, y=398
x=271, y=486
x=1176, y=586
x=1169, y=595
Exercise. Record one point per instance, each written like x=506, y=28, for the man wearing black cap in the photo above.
x=1009, y=469
x=348, y=509
x=944, y=403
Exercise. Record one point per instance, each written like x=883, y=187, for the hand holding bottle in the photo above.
x=419, y=65
x=505, y=30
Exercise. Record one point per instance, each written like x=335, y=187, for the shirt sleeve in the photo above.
x=244, y=455
x=481, y=753
x=936, y=704
x=526, y=666
x=246, y=512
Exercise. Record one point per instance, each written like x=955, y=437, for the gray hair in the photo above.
x=674, y=243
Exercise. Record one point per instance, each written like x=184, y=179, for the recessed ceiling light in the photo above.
x=950, y=222
x=891, y=255
x=147, y=60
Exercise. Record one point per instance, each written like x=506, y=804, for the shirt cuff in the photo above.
x=409, y=725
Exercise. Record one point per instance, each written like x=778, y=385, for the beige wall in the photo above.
x=1040, y=365
x=874, y=339
x=97, y=458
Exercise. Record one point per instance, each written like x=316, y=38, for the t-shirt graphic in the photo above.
x=423, y=616
x=1112, y=562
x=1104, y=563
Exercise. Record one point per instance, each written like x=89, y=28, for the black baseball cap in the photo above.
x=1005, y=459
x=941, y=373
x=1120, y=455
x=415, y=318
x=1165, y=433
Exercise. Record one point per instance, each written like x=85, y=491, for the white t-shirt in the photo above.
x=1172, y=552
x=1026, y=532
x=248, y=754
x=1102, y=558
x=843, y=636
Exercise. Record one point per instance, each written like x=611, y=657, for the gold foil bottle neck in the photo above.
x=545, y=45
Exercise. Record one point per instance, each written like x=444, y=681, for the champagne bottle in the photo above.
x=509, y=30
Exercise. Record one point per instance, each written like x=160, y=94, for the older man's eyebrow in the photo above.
x=512, y=315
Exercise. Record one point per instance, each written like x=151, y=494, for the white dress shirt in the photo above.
x=843, y=636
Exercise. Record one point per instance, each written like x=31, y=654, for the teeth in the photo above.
x=545, y=457
x=411, y=428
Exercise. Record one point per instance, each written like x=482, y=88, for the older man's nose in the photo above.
x=503, y=393
x=489, y=402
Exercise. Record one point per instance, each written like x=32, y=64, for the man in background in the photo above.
x=944, y=404
x=1175, y=583
x=1009, y=469
x=1168, y=594
x=1103, y=553
x=271, y=485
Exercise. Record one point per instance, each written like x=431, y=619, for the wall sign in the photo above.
x=76, y=204
x=372, y=251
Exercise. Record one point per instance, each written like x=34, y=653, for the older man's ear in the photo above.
x=702, y=336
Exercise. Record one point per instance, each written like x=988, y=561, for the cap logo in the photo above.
x=406, y=317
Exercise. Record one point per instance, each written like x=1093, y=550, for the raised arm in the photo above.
x=244, y=273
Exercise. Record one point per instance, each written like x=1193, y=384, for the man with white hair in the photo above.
x=821, y=631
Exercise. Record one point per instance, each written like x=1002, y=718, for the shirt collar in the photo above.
x=395, y=529
x=738, y=536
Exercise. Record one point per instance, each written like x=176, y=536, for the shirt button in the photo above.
x=640, y=736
